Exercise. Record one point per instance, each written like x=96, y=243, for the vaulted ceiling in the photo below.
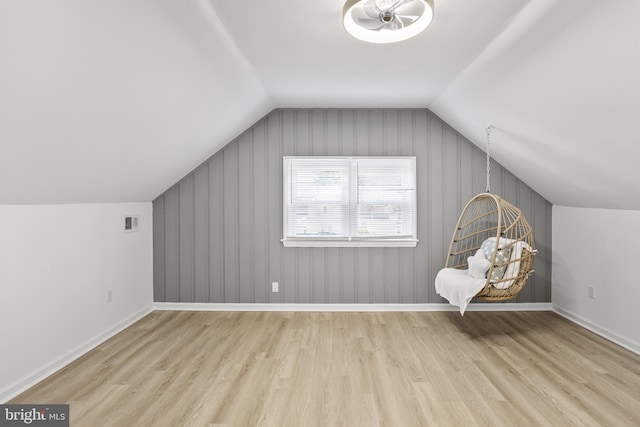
x=110, y=101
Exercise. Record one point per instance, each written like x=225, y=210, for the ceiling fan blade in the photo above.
x=370, y=24
x=396, y=24
x=370, y=9
x=407, y=20
x=398, y=4
x=359, y=13
x=409, y=8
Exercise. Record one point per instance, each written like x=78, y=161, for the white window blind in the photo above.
x=317, y=198
x=385, y=198
x=349, y=201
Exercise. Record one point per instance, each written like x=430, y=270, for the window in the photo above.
x=349, y=201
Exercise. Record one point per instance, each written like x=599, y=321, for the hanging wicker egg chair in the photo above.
x=492, y=241
x=489, y=216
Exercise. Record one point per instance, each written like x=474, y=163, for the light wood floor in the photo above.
x=349, y=369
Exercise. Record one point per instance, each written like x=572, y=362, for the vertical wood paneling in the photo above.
x=172, y=244
x=525, y=203
x=450, y=173
x=304, y=275
x=246, y=198
x=186, y=238
x=348, y=275
x=376, y=255
x=347, y=124
x=376, y=275
x=318, y=272
x=216, y=228
x=317, y=132
x=436, y=234
x=392, y=275
x=230, y=201
x=362, y=140
x=542, y=278
x=201, y=238
x=333, y=277
x=406, y=147
x=318, y=147
x=466, y=176
x=260, y=216
x=546, y=255
x=304, y=267
x=362, y=275
x=497, y=177
x=509, y=187
x=424, y=282
x=273, y=147
x=217, y=232
x=158, y=250
x=479, y=162
x=290, y=255
x=347, y=146
x=362, y=255
x=391, y=145
x=376, y=133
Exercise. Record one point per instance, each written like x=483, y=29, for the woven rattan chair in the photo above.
x=487, y=215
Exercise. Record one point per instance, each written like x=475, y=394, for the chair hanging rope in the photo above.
x=488, y=187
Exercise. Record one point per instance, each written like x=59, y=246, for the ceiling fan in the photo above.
x=386, y=21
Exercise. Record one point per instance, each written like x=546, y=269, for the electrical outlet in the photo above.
x=109, y=295
x=592, y=292
x=274, y=286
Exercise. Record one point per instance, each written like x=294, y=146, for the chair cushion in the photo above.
x=502, y=256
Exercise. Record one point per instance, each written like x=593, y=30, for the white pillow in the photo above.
x=478, y=266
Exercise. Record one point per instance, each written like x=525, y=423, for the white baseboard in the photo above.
x=39, y=374
x=187, y=306
x=597, y=329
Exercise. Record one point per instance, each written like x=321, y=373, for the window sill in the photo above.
x=386, y=243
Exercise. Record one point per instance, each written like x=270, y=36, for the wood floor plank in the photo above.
x=349, y=369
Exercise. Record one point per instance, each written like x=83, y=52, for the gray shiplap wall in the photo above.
x=217, y=232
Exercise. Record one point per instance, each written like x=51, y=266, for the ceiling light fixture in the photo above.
x=386, y=21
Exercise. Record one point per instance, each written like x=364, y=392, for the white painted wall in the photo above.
x=56, y=264
x=599, y=248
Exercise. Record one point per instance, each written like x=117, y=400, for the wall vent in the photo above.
x=131, y=223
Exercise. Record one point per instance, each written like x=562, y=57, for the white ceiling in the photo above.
x=305, y=58
x=104, y=101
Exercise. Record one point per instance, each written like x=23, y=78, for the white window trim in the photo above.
x=334, y=242
x=371, y=243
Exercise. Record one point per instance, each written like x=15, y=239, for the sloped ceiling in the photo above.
x=115, y=100
x=561, y=84
x=104, y=101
